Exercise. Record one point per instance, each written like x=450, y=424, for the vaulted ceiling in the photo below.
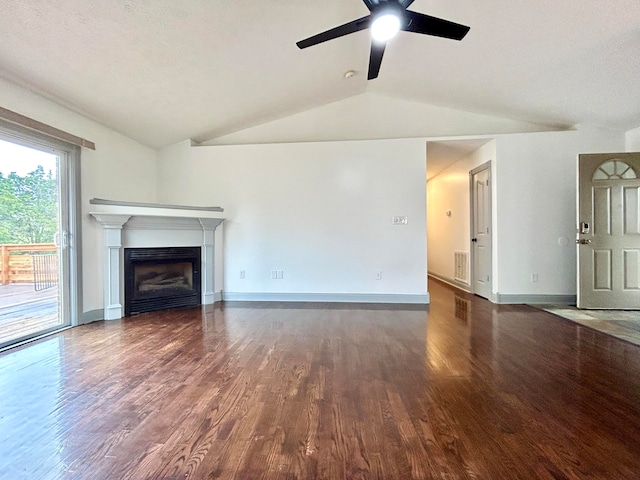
x=163, y=71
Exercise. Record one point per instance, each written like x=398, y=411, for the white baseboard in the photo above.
x=534, y=299
x=207, y=298
x=399, y=298
x=113, y=312
x=91, y=316
x=511, y=298
x=465, y=287
x=327, y=297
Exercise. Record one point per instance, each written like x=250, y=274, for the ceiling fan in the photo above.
x=387, y=17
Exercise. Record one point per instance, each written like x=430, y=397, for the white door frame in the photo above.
x=472, y=272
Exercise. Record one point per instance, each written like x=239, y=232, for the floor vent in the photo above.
x=461, y=266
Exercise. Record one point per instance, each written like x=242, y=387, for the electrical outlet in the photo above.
x=534, y=277
x=241, y=273
x=378, y=275
x=280, y=274
x=274, y=274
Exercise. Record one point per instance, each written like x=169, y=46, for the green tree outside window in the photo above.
x=28, y=212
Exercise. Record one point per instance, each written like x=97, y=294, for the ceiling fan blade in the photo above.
x=371, y=4
x=375, y=59
x=428, y=25
x=346, y=29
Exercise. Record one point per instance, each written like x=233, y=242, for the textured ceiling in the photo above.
x=163, y=71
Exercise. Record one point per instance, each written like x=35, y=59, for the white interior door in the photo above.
x=480, y=180
x=609, y=231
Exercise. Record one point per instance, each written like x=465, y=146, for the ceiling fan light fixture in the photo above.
x=385, y=27
x=385, y=19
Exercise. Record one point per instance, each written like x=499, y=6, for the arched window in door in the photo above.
x=614, y=170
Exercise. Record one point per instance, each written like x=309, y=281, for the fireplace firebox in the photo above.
x=161, y=278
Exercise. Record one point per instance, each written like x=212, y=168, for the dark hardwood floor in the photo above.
x=467, y=390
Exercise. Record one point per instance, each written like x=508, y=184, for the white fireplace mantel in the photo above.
x=133, y=225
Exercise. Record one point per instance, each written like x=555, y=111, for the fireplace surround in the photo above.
x=131, y=225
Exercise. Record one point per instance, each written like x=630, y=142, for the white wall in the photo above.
x=536, y=207
x=374, y=116
x=119, y=168
x=449, y=191
x=633, y=140
x=321, y=212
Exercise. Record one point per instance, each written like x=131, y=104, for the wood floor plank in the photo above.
x=465, y=390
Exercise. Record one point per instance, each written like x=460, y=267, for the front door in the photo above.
x=609, y=231
x=481, y=230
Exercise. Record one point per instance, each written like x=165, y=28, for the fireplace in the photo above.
x=131, y=225
x=161, y=278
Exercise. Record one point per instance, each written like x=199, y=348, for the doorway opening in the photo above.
x=451, y=253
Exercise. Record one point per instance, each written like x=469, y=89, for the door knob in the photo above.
x=474, y=239
x=583, y=241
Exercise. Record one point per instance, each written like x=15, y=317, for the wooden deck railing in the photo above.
x=17, y=261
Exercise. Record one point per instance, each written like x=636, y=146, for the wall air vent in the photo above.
x=461, y=266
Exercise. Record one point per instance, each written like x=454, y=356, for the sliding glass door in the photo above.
x=38, y=278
